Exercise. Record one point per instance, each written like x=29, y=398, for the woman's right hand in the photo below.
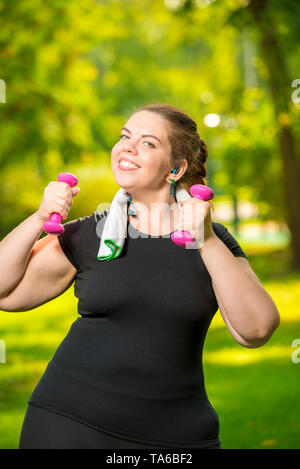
x=58, y=198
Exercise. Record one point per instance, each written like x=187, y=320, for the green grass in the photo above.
x=31, y=339
x=254, y=391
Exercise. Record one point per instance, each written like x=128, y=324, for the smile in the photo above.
x=126, y=166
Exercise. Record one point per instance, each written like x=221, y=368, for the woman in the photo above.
x=129, y=372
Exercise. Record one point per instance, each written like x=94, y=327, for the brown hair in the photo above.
x=185, y=143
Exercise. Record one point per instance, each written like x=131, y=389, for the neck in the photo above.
x=156, y=213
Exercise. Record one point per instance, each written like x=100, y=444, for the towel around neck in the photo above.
x=115, y=226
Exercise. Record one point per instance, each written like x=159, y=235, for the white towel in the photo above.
x=115, y=227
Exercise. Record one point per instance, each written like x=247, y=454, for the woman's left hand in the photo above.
x=195, y=217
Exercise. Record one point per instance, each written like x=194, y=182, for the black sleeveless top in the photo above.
x=131, y=364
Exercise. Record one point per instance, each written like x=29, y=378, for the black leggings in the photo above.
x=43, y=429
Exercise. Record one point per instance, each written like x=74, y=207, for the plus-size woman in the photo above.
x=129, y=372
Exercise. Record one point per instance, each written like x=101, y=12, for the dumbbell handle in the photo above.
x=53, y=226
x=199, y=191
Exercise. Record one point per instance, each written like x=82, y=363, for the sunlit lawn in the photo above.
x=254, y=391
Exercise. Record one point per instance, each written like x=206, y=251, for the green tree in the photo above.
x=275, y=25
x=50, y=100
x=75, y=72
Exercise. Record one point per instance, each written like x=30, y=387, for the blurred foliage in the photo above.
x=74, y=72
x=49, y=100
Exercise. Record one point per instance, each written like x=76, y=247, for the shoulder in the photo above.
x=82, y=226
x=228, y=239
x=88, y=219
x=222, y=231
x=219, y=229
x=97, y=216
x=81, y=229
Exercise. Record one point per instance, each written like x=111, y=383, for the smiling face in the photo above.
x=144, y=141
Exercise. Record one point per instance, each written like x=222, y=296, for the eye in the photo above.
x=153, y=146
x=150, y=143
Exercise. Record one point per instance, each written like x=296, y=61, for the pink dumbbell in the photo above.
x=53, y=226
x=200, y=192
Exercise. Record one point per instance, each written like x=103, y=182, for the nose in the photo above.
x=129, y=145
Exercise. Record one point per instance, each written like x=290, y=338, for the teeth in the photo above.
x=126, y=164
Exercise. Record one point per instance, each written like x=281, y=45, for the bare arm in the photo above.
x=15, y=250
x=27, y=265
x=48, y=274
x=247, y=309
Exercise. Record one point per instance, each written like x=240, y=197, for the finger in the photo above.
x=75, y=190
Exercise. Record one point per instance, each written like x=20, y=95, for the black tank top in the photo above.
x=131, y=364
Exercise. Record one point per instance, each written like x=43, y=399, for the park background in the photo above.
x=71, y=74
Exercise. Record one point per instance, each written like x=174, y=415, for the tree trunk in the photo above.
x=236, y=219
x=280, y=88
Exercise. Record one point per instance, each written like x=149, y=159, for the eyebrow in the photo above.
x=124, y=128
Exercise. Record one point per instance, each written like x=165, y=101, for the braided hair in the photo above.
x=185, y=143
